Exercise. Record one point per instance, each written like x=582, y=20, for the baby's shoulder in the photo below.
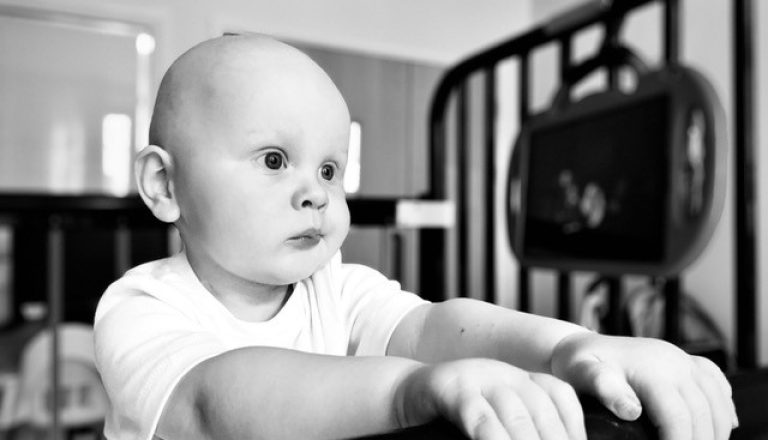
x=161, y=269
x=161, y=281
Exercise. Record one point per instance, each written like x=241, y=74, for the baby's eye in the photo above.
x=273, y=160
x=328, y=171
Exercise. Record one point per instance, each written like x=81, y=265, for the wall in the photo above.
x=761, y=51
x=51, y=113
x=393, y=28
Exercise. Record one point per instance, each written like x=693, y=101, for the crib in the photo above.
x=452, y=141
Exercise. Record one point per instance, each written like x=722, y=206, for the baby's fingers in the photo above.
x=568, y=406
x=721, y=406
x=479, y=421
x=608, y=383
x=513, y=414
x=537, y=406
x=702, y=423
x=713, y=374
x=668, y=410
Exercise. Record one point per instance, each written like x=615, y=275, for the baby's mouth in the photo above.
x=306, y=239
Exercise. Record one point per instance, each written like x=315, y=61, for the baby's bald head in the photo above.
x=249, y=147
x=209, y=77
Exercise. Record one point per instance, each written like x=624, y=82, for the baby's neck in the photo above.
x=246, y=300
x=254, y=307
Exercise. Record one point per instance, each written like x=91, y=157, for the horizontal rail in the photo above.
x=95, y=209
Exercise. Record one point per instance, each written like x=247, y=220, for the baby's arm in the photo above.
x=462, y=328
x=686, y=396
x=273, y=393
x=283, y=394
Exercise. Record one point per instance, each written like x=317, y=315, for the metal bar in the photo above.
x=523, y=280
x=572, y=17
x=397, y=254
x=613, y=324
x=55, y=288
x=744, y=171
x=432, y=248
x=564, y=278
x=612, y=29
x=672, y=299
x=49, y=204
x=437, y=141
x=490, y=184
x=463, y=159
x=122, y=247
x=565, y=57
x=524, y=104
x=564, y=296
x=671, y=31
x=131, y=210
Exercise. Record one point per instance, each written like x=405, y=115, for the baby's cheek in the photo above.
x=342, y=221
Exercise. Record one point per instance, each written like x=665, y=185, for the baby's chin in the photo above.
x=293, y=277
x=294, y=273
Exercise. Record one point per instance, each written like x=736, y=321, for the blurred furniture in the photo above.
x=65, y=250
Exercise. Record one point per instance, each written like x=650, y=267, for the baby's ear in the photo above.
x=154, y=168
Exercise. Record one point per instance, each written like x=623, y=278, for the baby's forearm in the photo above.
x=276, y=393
x=462, y=328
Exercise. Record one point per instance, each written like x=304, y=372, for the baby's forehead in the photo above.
x=248, y=56
x=255, y=67
x=224, y=73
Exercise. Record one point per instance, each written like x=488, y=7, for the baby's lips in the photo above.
x=308, y=233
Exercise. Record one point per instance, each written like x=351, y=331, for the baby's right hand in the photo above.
x=491, y=400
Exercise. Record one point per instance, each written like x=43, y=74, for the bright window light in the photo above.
x=116, y=152
x=145, y=44
x=352, y=174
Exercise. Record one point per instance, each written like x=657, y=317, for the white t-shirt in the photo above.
x=157, y=322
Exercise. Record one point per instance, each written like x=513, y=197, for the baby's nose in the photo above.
x=311, y=195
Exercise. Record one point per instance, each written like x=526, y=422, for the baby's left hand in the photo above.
x=687, y=397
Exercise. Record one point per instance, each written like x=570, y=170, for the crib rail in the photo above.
x=560, y=31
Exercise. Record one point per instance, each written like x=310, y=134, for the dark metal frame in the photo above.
x=745, y=171
x=561, y=31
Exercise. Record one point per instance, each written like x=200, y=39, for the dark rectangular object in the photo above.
x=379, y=212
x=621, y=155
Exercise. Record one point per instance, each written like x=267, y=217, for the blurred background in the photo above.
x=77, y=84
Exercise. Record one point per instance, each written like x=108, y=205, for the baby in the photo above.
x=257, y=330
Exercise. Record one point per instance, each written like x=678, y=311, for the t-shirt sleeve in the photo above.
x=374, y=306
x=143, y=348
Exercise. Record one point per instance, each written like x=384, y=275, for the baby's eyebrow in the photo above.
x=342, y=153
x=258, y=134
x=258, y=139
